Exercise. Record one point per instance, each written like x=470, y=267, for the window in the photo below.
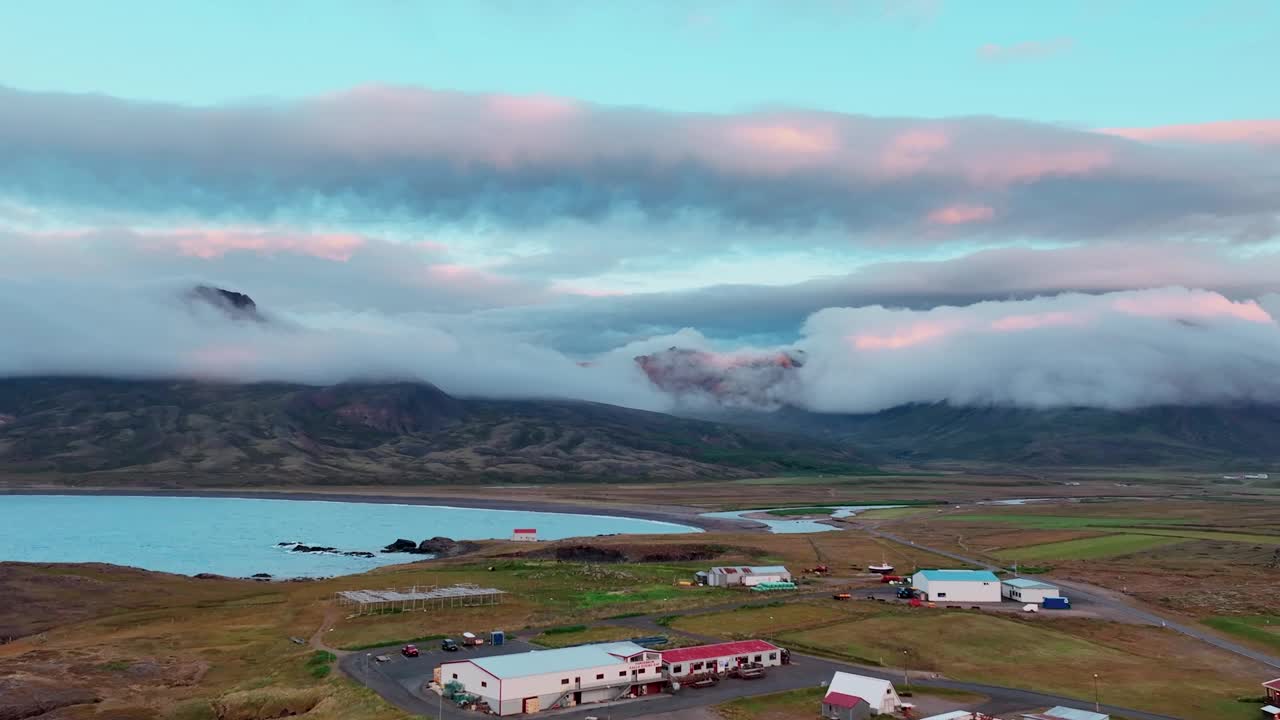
x=577, y=681
x=455, y=676
x=622, y=673
x=756, y=658
x=484, y=684
x=941, y=595
x=697, y=666
x=640, y=671
x=773, y=656
x=677, y=668
x=564, y=681
x=599, y=676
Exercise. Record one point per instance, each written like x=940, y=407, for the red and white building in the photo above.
x=524, y=535
x=683, y=663
x=551, y=679
x=1273, y=699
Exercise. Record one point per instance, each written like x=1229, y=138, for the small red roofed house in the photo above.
x=524, y=534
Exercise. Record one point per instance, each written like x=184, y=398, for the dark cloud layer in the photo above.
x=430, y=156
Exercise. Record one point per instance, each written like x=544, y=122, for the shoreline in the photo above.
x=692, y=518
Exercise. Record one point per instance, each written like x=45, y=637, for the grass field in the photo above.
x=1250, y=538
x=1088, y=548
x=1062, y=522
x=769, y=620
x=1261, y=630
x=1017, y=653
x=894, y=513
x=603, y=633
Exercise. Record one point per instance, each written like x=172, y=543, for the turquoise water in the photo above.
x=238, y=537
x=797, y=526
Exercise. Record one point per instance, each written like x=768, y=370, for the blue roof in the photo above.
x=1029, y=583
x=963, y=575
x=538, y=662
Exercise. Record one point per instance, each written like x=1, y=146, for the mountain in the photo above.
x=188, y=431
x=1177, y=436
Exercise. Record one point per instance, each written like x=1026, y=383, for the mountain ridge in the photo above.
x=372, y=432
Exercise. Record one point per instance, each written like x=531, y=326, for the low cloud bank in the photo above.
x=1114, y=350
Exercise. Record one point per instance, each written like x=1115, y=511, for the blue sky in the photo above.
x=1079, y=62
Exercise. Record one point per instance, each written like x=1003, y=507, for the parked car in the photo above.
x=409, y=651
x=448, y=645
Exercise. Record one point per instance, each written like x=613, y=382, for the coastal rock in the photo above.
x=210, y=576
x=314, y=549
x=401, y=545
x=437, y=545
x=358, y=553
x=261, y=576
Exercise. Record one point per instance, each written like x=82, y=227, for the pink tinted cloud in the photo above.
x=1014, y=323
x=1021, y=166
x=910, y=151
x=1029, y=50
x=1191, y=305
x=211, y=243
x=961, y=214
x=913, y=334
x=533, y=108
x=1249, y=132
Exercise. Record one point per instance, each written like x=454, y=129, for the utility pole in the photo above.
x=906, y=678
x=1095, y=693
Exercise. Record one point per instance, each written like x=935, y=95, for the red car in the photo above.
x=409, y=651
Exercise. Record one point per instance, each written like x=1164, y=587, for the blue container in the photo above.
x=1057, y=603
x=497, y=637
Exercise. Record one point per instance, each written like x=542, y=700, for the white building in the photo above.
x=524, y=535
x=957, y=585
x=748, y=576
x=1026, y=590
x=545, y=679
x=879, y=695
x=682, y=663
x=1065, y=713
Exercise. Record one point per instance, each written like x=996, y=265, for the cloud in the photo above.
x=1028, y=50
x=428, y=159
x=1116, y=351
x=961, y=214
x=1247, y=132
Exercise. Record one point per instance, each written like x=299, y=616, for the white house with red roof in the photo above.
x=524, y=534
x=857, y=697
x=683, y=663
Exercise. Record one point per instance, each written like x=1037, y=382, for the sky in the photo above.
x=1037, y=204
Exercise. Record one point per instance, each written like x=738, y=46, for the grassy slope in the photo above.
x=1087, y=548
x=1009, y=652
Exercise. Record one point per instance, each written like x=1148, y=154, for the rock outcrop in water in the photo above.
x=300, y=547
x=438, y=546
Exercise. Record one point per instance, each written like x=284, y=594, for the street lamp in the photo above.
x=906, y=678
x=1095, y=693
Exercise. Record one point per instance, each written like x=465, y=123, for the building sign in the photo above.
x=643, y=665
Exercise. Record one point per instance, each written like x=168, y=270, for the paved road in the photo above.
x=1103, y=599
x=400, y=681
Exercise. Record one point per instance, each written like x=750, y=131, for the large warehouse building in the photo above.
x=546, y=679
x=742, y=575
x=1026, y=590
x=957, y=585
x=682, y=663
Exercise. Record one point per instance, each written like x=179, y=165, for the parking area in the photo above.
x=413, y=674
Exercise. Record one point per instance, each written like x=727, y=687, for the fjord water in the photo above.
x=239, y=537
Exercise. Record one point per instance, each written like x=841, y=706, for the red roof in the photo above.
x=1272, y=684
x=707, y=652
x=839, y=699
x=525, y=530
